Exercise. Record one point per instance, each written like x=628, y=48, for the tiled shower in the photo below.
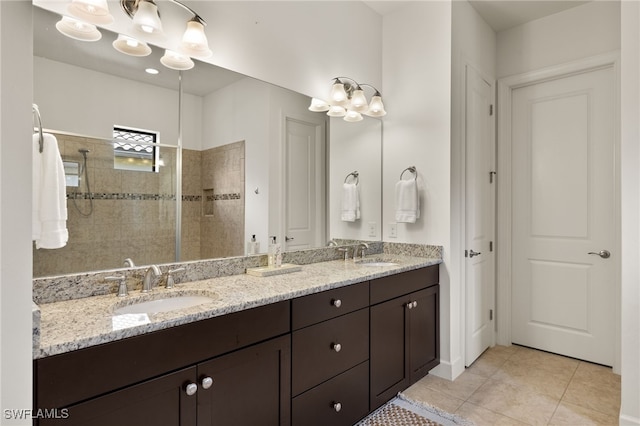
x=134, y=212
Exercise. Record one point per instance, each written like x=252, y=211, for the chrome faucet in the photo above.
x=148, y=282
x=363, y=246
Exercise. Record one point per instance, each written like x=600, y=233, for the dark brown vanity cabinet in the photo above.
x=330, y=351
x=229, y=370
x=404, y=317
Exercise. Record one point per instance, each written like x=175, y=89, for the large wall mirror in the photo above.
x=229, y=157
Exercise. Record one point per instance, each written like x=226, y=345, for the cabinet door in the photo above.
x=423, y=332
x=387, y=357
x=251, y=386
x=159, y=402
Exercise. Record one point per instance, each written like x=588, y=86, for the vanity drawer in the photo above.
x=393, y=286
x=318, y=405
x=308, y=310
x=316, y=356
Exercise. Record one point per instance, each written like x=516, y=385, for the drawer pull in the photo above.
x=337, y=406
x=191, y=389
x=336, y=302
x=336, y=347
x=207, y=382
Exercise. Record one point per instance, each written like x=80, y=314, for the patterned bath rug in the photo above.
x=402, y=411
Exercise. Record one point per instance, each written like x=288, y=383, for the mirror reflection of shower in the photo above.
x=85, y=172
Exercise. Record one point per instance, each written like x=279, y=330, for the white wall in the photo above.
x=356, y=147
x=630, y=147
x=16, y=94
x=417, y=132
x=576, y=33
x=473, y=45
x=87, y=102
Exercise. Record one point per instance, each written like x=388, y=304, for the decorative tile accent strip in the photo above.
x=128, y=196
x=233, y=196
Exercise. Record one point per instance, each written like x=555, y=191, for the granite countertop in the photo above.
x=75, y=324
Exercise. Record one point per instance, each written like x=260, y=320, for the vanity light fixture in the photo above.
x=91, y=11
x=347, y=99
x=78, y=30
x=131, y=46
x=176, y=61
x=146, y=18
x=146, y=21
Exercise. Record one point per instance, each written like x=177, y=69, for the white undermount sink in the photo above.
x=163, y=305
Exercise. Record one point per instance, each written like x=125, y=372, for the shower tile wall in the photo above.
x=222, y=227
x=191, y=205
x=133, y=214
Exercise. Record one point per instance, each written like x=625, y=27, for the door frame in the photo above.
x=506, y=86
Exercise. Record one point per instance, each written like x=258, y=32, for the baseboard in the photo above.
x=447, y=370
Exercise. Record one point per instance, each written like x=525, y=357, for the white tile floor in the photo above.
x=521, y=386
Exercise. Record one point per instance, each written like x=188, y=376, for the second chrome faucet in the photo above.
x=149, y=278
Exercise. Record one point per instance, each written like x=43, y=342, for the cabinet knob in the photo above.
x=409, y=305
x=415, y=303
x=207, y=382
x=191, y=389
x=336, y=347
x=337, y=406
x=336, y=302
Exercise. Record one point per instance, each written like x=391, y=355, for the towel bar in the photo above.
x=36, y=112
x=355, y=174
x=411, y=169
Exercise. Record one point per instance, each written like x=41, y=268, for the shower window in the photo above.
x=136, y=149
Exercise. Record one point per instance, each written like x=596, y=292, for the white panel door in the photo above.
x=479, y=217
x=563, y=134
x=304, y=183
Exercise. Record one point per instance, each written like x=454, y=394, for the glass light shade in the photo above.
x=176, y=61
x=338, y=94
x=91, y=11
x=336, y=111
x=194, y=40
x=358, y=101
x=147, y=19
x=352, y=116
x=78, y=30
x=131, y=46
x=376, y=107
x=318, y=105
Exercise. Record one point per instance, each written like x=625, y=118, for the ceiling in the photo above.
x=499, y=14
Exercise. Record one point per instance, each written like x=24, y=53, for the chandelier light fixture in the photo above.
x=145, y=16
x=347, y=100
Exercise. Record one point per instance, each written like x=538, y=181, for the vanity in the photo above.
x=326, y=345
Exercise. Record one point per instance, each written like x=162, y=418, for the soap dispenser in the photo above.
x=253, y=246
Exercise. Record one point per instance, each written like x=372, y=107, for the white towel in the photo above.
x=407, y=201
x=49, y=211
x=350, y=202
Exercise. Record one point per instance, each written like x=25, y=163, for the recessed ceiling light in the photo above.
x=152, y=71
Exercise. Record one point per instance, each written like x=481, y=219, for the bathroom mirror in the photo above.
x=235, y=171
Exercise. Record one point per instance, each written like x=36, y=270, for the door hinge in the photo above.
x=490, y=314
x=490, y=109
x=491, y=175
x=490, y=246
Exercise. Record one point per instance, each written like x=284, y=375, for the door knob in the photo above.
x=474, y=253
x=605, y=254
x=289, y=238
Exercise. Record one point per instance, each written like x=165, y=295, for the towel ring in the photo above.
x=36, y=112
x=411, y=169
x=355, y=176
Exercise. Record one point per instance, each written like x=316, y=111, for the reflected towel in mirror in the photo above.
x=407, y=201
x=49, y=211
x=350, y=202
